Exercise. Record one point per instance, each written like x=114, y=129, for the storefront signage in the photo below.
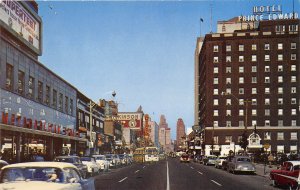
x=131, y=120
x=16, y=17
x=273, y=12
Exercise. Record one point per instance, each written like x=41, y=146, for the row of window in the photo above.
x=254, y=122
x=43, y=91
x=267, y=90
x=267, y=69
x=267, y=46
x=253, y=101
x=254, y=80
x=254, y=112
x=254, y=58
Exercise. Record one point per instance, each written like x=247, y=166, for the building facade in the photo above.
x=164, y=134
x=154, y=131
x=249, y=83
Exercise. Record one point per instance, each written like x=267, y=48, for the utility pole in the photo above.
x=92, y=145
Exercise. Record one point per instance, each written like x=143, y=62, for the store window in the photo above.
x=31, y=87
x=54, y=98
x=9, y=77
x=60, y=102
x=40, y=91
x=47, y=99
x=228, y=139
x=21, y=82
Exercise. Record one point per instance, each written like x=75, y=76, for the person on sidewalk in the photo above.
x=270, y=160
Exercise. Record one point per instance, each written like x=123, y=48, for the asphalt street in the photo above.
x=173, y=175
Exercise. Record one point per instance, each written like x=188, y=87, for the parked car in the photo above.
x=209, y=160
x=225, y=162
x=92, y=166
x=112, y=161
x=43, y=175
x=102, y=162
x=185, y=158
x=287, y=175
x=74, y=160
x=241, y=164
x=3, y=163
x=219, y=161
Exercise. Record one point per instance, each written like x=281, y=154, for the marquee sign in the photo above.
x=272, y=12
x=20, y=20
x=131, y=120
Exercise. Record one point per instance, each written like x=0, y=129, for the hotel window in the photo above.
x=66, y=104
x=267, y=112
x=228, y=48
x=228, y=90
x=54, y=98
x=241, y=80
x=60, y=102
x=253, y=47
x=280, y=28
x=267, y=79
x=280, y=79
x=253, y=58
x=216, y=59
x=241, y=90
x=279, y=46
x=267, y=46
x=241, y=112
x=216, y=70
x=228, y=123
x=254, y=101
x=280, y=123
x=293, y=101
x=254, y=91
x=216, y=48
x=216, y=124
x=240, y=138
x=280, y=136
x=294, y=123
x=241, y=69
x=9, y=76
x=294, y=112
x=216, y=140
x=241, y=47
x=280, y=68
x=293, y=28
x=254, y=112
x=279, y=57
x=267, y=57
x=228, y=112
x=293, y=67
x=293, y=149
x=216, y=81
x=228, y=69
x=228, y=139
x=216, y=102
x=293, y=90
x=40, y=91
x=228, y=101
x=267, y=90
x=241, y=101
x=47, y=99
x=267, y=101
x=293, y=78
x=280, y=90
x=280, y=101
x=253, y=79
x=216, y=92
x=228, y=58
x=280, y=148
x=267, y=68
x=280, y=111
x=267, y=122
x=71, y=106
x=228, y=80
x=293, y=45
x=254, y=69
x=267, y=135
x=31, y=87
x=254, y=122
x=21, y=82
x=293, y=56
x=294, y=136
x=241, y=123
x=216, y=112
x=241, y=58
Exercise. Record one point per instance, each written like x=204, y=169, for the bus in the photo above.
x=146, y=154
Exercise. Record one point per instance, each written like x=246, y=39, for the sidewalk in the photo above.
x=263, y=170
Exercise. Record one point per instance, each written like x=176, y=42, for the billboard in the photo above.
x=18, y=19
x=132, y=120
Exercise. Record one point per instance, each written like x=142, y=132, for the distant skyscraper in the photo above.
x=163, y=123
x=180, y=131
x=164, y=134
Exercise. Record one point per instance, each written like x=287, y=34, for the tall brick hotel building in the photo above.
x=247, y=79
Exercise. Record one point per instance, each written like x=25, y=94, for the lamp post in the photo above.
x=91, y=105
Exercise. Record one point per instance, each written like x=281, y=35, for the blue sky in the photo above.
x=143, y=50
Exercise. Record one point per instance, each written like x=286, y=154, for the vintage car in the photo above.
x=219, y=161
x=73, y=160
x=185, y=158
x=43, y=175
x=241, y=164
x=92, y=166
x=287, y=175
x=102, y=162
x=209, y=160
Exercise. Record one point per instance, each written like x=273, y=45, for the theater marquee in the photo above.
x=20, y=20
x=131, y=120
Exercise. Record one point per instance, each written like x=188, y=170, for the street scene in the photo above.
x=149, y=95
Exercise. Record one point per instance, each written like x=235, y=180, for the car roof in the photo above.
x=41, y=164
x=294, y=162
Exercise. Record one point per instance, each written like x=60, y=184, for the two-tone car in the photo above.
x=241, y=164
x=43, y=175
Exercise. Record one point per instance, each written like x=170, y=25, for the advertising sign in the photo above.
x=131, y=120
x=20, y=20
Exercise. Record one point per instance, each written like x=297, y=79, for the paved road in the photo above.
x=173, y=175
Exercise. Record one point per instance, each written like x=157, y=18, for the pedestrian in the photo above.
x=270, y=159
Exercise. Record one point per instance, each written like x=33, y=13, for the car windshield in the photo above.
x=69, y=160
x=100, y=158
x=86, y=159
x=49, y=174
x=243, y=159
